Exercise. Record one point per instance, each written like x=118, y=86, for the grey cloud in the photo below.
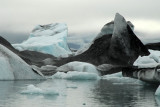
x=14, y=37
x=148, y=37
x=20, y=16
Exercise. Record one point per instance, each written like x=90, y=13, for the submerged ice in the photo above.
x=50, y=39
x=32, y=89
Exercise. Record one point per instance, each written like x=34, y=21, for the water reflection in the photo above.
x=8, y=90
x=98, y=93
x=118, y=95
x=157, y=98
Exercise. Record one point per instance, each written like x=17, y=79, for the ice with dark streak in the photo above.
x=120, y=48
x=12, y=67
x=105, y=49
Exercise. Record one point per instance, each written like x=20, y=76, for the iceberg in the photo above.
x=125, y=46
x=106, y=30
x=12, y=67
x=122, y=47
x=119, y=48
x=50, y=39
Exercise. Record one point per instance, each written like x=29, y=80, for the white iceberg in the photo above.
x=12, y=67
x=50, y=39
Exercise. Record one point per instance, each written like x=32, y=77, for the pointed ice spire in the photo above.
x=120, y=25
x=125, y=47
x=120, y=35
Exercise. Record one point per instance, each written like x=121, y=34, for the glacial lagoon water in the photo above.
x=77, y=93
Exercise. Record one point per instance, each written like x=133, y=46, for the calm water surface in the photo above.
x=88, y=93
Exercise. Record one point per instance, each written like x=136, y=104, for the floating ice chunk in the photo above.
x=75, y=75
x=155, y=55
x=150, y=65
x=31, y=89
x=78, y=66
x=51, y=39
x=150, y=61
x=117, y=76
x=118, y=79
x=144, y=60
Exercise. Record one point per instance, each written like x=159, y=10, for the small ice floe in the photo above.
x=31, y=89
x=118, y=79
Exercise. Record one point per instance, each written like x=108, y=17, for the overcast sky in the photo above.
x=18, y=17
